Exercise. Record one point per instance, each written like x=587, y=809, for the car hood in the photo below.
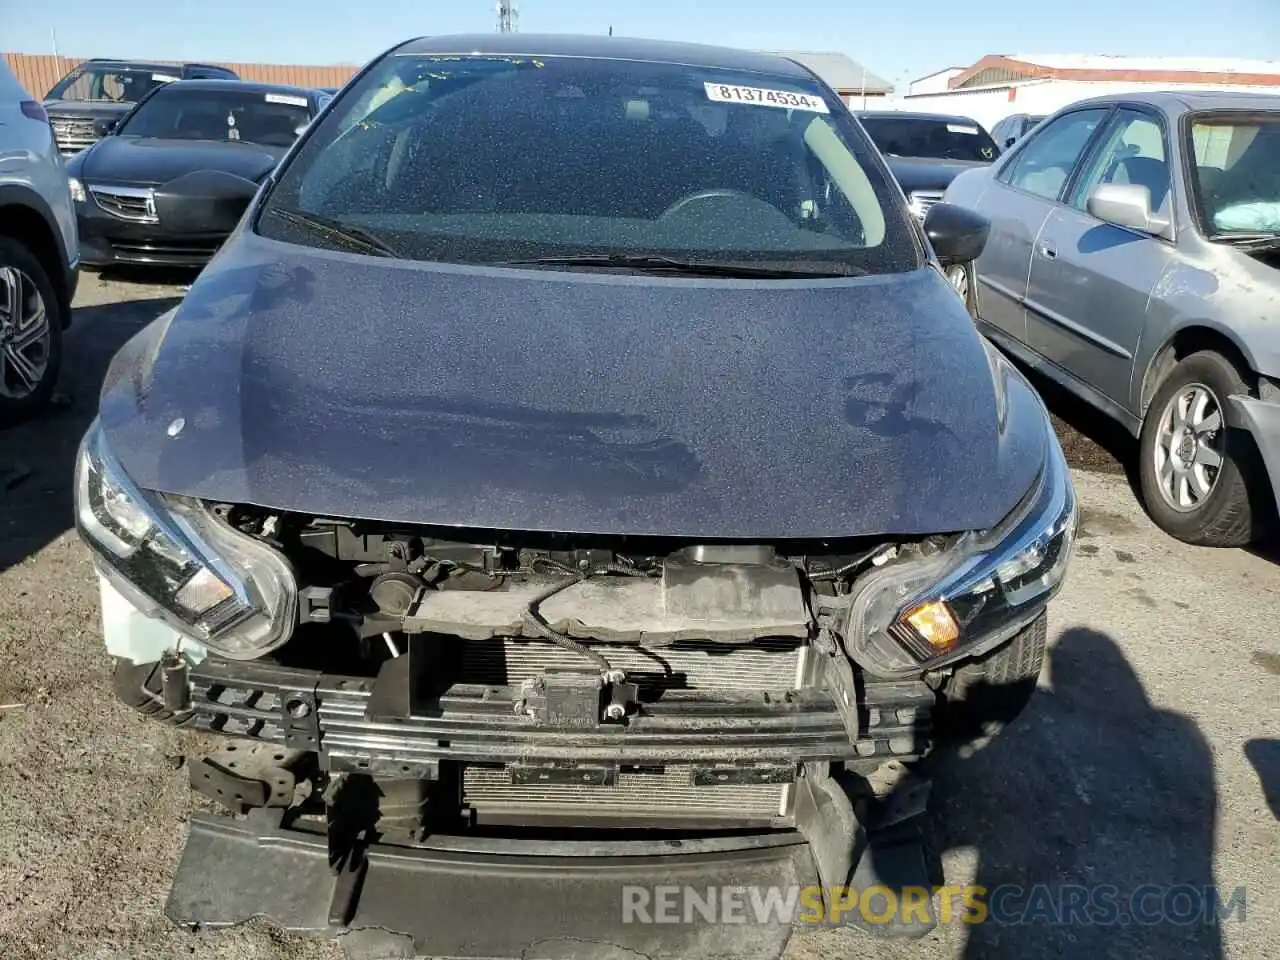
x=143, y=160
x=922, y=173
x=91, y=109
x=345, y=386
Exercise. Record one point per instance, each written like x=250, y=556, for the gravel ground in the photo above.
x=1144, y=757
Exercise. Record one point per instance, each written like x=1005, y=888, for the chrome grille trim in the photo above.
x=128, y=203
x=922, y=200
x=74, y=134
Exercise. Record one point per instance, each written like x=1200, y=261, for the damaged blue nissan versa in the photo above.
x=574, y=477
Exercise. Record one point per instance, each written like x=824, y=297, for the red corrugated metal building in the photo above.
x=39, y=72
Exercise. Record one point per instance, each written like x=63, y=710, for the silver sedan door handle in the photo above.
x=1047, y=250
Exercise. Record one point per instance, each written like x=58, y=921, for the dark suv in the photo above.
x=574, y=474
x=84, y=104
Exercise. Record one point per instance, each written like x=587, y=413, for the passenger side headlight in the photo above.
x=926, y=613
x=177, y=562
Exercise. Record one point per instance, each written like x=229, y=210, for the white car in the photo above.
x=39, y=251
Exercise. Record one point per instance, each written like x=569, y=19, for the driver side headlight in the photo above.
x=924, y=613
x=177, y=562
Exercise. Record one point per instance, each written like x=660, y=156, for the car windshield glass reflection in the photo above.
x=481, y=160
x=1237, y=173
x=941, y=139
x=112, y=84
x=272, y=119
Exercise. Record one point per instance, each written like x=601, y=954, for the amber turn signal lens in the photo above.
x=935, y=625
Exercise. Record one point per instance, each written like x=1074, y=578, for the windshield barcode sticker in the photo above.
x=164, y=78
x=760, y=97
x=962, y=128
x=286, y=99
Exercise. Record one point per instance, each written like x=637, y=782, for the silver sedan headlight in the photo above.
x=927, y=612
x=177, y=562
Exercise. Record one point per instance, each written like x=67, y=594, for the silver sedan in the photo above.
x=1134, y=258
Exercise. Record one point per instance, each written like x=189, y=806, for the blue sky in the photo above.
x=897, y=39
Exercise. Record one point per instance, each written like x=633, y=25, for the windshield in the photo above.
x=482, y=160
x=111, y=83
x=185, y=113
x=1237, y=173
x=940, y=139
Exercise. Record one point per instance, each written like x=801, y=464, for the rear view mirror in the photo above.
x=1126, y=205
x=204, y=202
x=958, y=235
x=1009, y=142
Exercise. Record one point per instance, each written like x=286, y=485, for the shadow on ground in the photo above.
x=1265, y=756
x=1126, y=806
x=37, y=457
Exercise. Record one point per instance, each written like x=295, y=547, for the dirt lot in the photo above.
x=1147, y=757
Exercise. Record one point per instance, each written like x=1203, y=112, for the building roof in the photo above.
x=1095, y=61
x=938, y=73
x=1010, y=68
x=840, y=72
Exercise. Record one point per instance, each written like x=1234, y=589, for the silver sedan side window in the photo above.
x=1045, y=163
x=1133, y=151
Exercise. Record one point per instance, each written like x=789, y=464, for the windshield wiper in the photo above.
x=337, y=230
x=696, y=268
x=1249, y=241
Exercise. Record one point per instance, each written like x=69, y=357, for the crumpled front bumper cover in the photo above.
x=1262, y=419
x=512, y=899
x=482, y=895
x=477, y=898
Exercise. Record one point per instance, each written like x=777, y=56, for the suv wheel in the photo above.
x=30, y=332
x=1195, y=473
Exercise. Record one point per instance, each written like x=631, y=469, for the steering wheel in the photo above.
x=709, y=194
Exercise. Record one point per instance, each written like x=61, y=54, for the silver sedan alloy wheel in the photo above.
x=25, y=335
x=1190, y=447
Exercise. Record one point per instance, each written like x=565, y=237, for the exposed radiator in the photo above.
x=668, y=792
x=773, y=665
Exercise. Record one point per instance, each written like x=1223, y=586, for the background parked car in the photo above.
x=83, y=105
x=1013, y=128
x=156, y=189
x=1133, y=258
x=926, y=151
x=38, y=251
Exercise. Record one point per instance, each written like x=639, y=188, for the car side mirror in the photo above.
x=1126, y=205
x=958, y=235
x=204, y=201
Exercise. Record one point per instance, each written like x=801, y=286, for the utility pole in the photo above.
x=508, y=15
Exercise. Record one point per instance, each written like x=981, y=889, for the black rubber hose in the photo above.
x=534, y=623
